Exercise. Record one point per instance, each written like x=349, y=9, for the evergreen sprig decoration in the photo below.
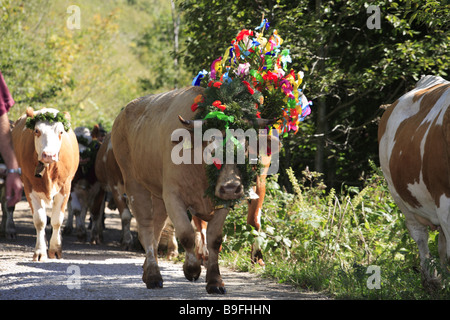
x=49, y=117
x=230, y=105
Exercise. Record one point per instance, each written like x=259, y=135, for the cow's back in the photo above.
x=414, y=147
x=141, y=137
x=106, y=168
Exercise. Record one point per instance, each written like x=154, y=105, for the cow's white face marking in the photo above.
x=47, y=141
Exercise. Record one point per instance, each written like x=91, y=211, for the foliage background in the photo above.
x=328, y=214
x=350, y=70
x=122, y=51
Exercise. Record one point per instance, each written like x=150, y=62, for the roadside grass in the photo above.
x=351, y=244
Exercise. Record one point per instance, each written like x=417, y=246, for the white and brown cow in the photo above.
x=48, y=156
x=414, y=150
x=156, y=187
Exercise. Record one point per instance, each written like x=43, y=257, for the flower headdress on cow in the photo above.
x=251, y=81
x=49, y=117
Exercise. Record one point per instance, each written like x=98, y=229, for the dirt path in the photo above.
x=98, y=272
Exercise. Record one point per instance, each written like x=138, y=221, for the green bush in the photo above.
x=326, y=241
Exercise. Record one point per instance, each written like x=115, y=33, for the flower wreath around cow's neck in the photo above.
x=49, y=117
x=250, y=81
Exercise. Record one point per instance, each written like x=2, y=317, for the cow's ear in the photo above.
x=30, y=112
x=95, y=133
x=66, y=115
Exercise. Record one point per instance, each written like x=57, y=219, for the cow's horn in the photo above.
x=189, y=124
x=265, y=122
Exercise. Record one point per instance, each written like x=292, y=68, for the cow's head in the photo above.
x=49, y=126
x=230, y=180
x=84, y=139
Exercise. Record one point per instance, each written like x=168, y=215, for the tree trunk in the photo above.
x=321, y=131
x=176, y=31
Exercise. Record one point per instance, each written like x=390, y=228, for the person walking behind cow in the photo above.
x=13, y=184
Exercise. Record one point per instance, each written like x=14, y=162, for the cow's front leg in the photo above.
x=59, y=206
x=40, y=221
x=214, y=283
x=185, y=233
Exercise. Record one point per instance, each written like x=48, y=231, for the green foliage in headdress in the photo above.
x=48, y=117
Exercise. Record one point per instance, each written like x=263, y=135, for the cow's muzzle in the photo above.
x=230, y=191
x=49, y=157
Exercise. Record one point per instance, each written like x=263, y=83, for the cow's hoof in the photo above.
x=40, y=256
x=11, y=235
x=52, y=253
x=81, y=236
x=67, y=230
x=127, y=245
x=153, y=282
x=152, y=278
x=154, y=285
x=192, y=272
x=96, y=240
x=215, y=290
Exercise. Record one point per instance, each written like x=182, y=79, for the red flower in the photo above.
x=248, y=87
x=270, y=76
x=258, y=114
x=244, y=33
x=217, y=163
x=197, y=100
x=219, y=105
x=217, y=84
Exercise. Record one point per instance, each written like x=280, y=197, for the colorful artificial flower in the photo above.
x=218, y=104
x=261, y=65
x=217, y=163
x=216, y=68
x=243, y=69
x=244, y=33
x=198, y=99
x=248, y=87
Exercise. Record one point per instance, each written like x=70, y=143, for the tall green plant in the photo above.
x=326, y=241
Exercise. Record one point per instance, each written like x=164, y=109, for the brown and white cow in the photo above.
x=109, y=175
x=414, y=150
x=156, y=187
x=48, y=156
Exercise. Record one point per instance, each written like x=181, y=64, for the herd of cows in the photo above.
x=133, y=163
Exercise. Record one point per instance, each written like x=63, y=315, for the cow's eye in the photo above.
x=37, y=132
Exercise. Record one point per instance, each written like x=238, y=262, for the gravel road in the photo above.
x=106, y=272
